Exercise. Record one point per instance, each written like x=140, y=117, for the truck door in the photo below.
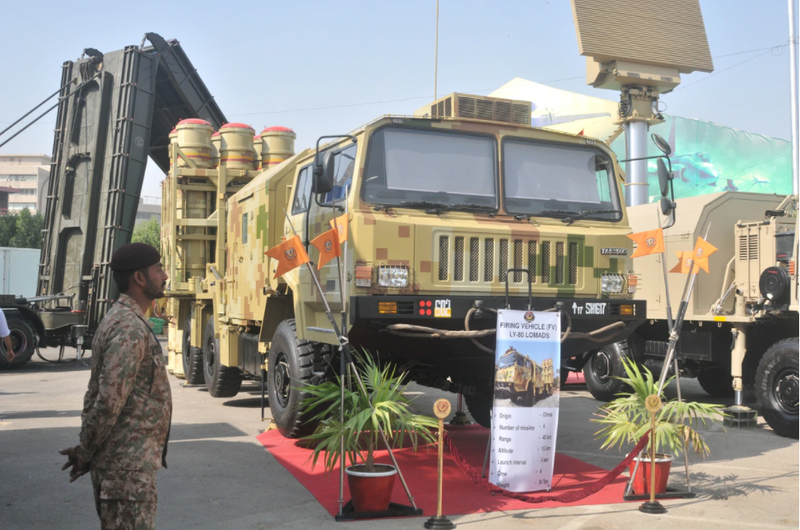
x=321, y=211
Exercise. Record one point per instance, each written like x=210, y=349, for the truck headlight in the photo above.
x=392, y=276
x=611, y=283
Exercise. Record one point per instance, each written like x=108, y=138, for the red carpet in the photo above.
x=461, y=495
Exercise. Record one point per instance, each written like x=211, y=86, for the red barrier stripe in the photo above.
x=570, y=496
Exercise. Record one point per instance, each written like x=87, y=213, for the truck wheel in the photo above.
x=221, y=381
x=603, y=369
x=23, y=340
x=777, y=387
x=480, y=406
x=530, y=396
x=717, y=382
x=290, y=365
x=192, y=358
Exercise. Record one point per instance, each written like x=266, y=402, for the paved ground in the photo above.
x=221, y=477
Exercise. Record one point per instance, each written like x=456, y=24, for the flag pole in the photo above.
x=344, y=344
x=342, y=365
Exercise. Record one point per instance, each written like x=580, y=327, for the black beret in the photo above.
x=134, y=256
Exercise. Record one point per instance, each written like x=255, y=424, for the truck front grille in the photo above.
x=465, y=260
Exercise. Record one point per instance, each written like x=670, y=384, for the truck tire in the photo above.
x=290, y=366
x=192, y=358
x=221, y=381
x=602, y=370
x=717, y=381
x=480, y=406
x=777, y=388
x=23, y=340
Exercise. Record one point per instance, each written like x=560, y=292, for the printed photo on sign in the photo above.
x=526, y=400
x=526, y=379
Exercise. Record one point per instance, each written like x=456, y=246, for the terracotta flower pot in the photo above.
x=641, y=482
x=371, y=492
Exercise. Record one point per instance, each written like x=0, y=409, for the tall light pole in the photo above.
x=436, y=54
x=793, y=89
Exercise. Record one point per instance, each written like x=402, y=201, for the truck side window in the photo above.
x=244, y=229
x=345, y=161
x=302, y=192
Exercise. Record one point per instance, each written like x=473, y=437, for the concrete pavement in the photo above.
x=220, y=476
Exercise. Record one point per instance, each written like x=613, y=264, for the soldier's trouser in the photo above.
x=125, y=500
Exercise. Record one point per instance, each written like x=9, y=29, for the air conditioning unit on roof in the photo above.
x=457, y=105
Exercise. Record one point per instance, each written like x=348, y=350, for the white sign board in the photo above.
x=526, y=394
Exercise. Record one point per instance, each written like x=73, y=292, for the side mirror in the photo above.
x=323, y=173
x=662, y=144
x=667, y=206
x=664, y=177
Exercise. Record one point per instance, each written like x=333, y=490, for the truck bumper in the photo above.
x=372, y=315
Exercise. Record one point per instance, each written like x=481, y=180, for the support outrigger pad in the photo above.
x=460, y=419
x=439, y=523
x=740, y=417
x=654, y=507
x=349, y=513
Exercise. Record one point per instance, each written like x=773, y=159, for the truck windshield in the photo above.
x=506, y=360
x=564, y=181
x=431, y=170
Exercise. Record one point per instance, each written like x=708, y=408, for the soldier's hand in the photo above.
x=79, y=467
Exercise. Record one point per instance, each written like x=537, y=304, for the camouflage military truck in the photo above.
x=521, y=379
x=741, y=326
x=449, y=210
x=514, y=376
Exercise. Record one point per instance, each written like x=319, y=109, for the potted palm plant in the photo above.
x=626, y=420
x=370, y=482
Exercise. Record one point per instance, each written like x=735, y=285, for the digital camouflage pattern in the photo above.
x=125, y=500
x=126, y=415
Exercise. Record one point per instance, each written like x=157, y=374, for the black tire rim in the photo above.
x=785, y=391
x=281, y=380
x=601, y=366
x=19, y=342
x=211, y=356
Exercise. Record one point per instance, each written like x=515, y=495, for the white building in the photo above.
x=30, y=175
x=148, y=207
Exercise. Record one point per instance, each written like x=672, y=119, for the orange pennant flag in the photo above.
x=290, y=254
x=702, y=250
x=684, y=262
x=648, y=242
x=328, y=246
x=340, y=224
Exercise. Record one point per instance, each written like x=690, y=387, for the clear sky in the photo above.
x=323, y=67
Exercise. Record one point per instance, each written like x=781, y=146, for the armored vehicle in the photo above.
x=454, y=212
x=741, y=325
x=521, y=379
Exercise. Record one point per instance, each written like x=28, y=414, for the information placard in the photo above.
x=526, y=395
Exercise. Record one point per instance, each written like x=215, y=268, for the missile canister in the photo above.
x=277, y=145
x=236, y=148
x=194, y=138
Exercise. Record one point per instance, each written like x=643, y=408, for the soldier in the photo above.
x=128, y=406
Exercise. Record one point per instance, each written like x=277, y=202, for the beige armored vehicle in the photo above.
x=741, y=324
x=453, y=213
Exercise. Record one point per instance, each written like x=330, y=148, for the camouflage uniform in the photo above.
x=126, y=418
